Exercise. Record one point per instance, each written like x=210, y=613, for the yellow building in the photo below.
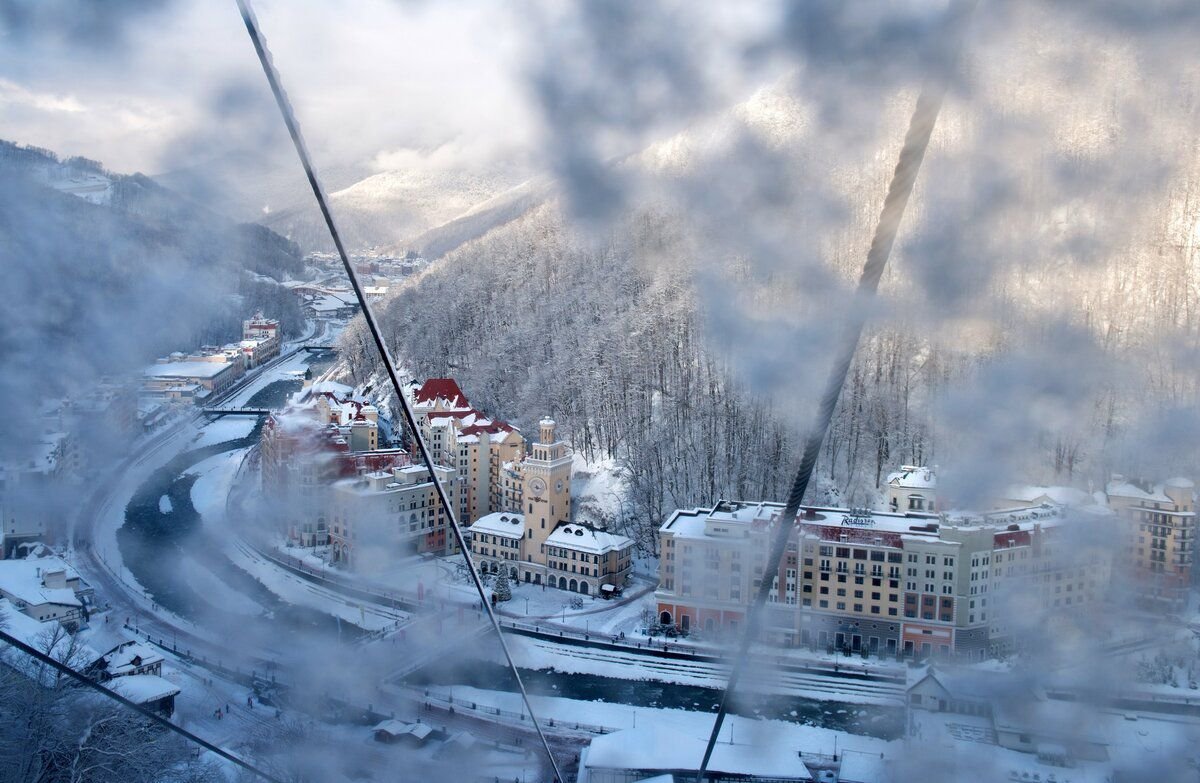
x=894, y=583
x=1160, y=533
x=534, y=539
x=476, y=446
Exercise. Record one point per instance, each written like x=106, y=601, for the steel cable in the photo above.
x=293, y=127
x=916, y=142
x=124, y=702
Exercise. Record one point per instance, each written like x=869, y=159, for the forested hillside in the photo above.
x=134, y=231
x=688, y=339
x=141, y=271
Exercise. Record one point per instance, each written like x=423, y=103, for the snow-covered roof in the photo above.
x=398, y=728
x=660, y=748
x=127, y=657
x=143, y=688
x=186, y=369
x=1047, y=719
x=1064, y=496
x=331, y=387
x=500, y=524
x=445, y=389
x=913, y=477
x=1179, y=482
x=23, y=580
x=587, y=539
x=761, y=514
x=1125, y=489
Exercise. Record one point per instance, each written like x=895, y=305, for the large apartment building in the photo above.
x=476, y=446
x=1160, y=534
x=327, y=435
x=886, y=582
x=389, y=513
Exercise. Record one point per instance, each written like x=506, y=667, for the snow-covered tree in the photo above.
x=502, y=590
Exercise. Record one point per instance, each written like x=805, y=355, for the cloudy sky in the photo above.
x=368, y=78
x=145, y=85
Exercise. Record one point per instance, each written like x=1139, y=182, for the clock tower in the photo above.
x=546, y=492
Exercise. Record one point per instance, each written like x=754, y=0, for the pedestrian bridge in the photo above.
x=217, y=413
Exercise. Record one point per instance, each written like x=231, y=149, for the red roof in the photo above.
x=491, y=429
x=440, y=388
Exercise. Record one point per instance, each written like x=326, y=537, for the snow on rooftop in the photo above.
x=143, y=688
x=186, y=369
x=1064, y=496
x=733, y=518
x=1125, y=489
x=501, y=524
x=914, y=477
x=399, y=728
x=445, y=389
x=661, y=748
x=128, y=656
x=586, y=539
x=22, y=580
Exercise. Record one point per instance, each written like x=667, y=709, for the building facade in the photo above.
x=859, y=580
x=1160, y=533
x=396, y=512
x=535, y=541
x=197, y=377
x=261, y=341
x=476, y=446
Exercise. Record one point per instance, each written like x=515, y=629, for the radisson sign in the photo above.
x=858, y=517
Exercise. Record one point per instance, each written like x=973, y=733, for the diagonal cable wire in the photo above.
x=289, y=119
x=916, y=141
x=62, y=668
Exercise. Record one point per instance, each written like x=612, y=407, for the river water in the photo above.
x=154, y=542
x=875, y=721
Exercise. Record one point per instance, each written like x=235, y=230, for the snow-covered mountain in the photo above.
x=393, y=208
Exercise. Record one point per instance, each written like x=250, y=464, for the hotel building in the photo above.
x=884, y=582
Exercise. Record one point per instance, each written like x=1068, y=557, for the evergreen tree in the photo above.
x=502, y=591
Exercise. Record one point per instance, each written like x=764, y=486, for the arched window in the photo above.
x=664, y=618
x=574, y=586
x=583, y=587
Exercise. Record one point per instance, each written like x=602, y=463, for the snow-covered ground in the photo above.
x=534, y=653
x=597, y=489
x=209, y=495
x=960, y=747
x=288, y=367
x=221, y=430
x=300, y=592
x=808, y=739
